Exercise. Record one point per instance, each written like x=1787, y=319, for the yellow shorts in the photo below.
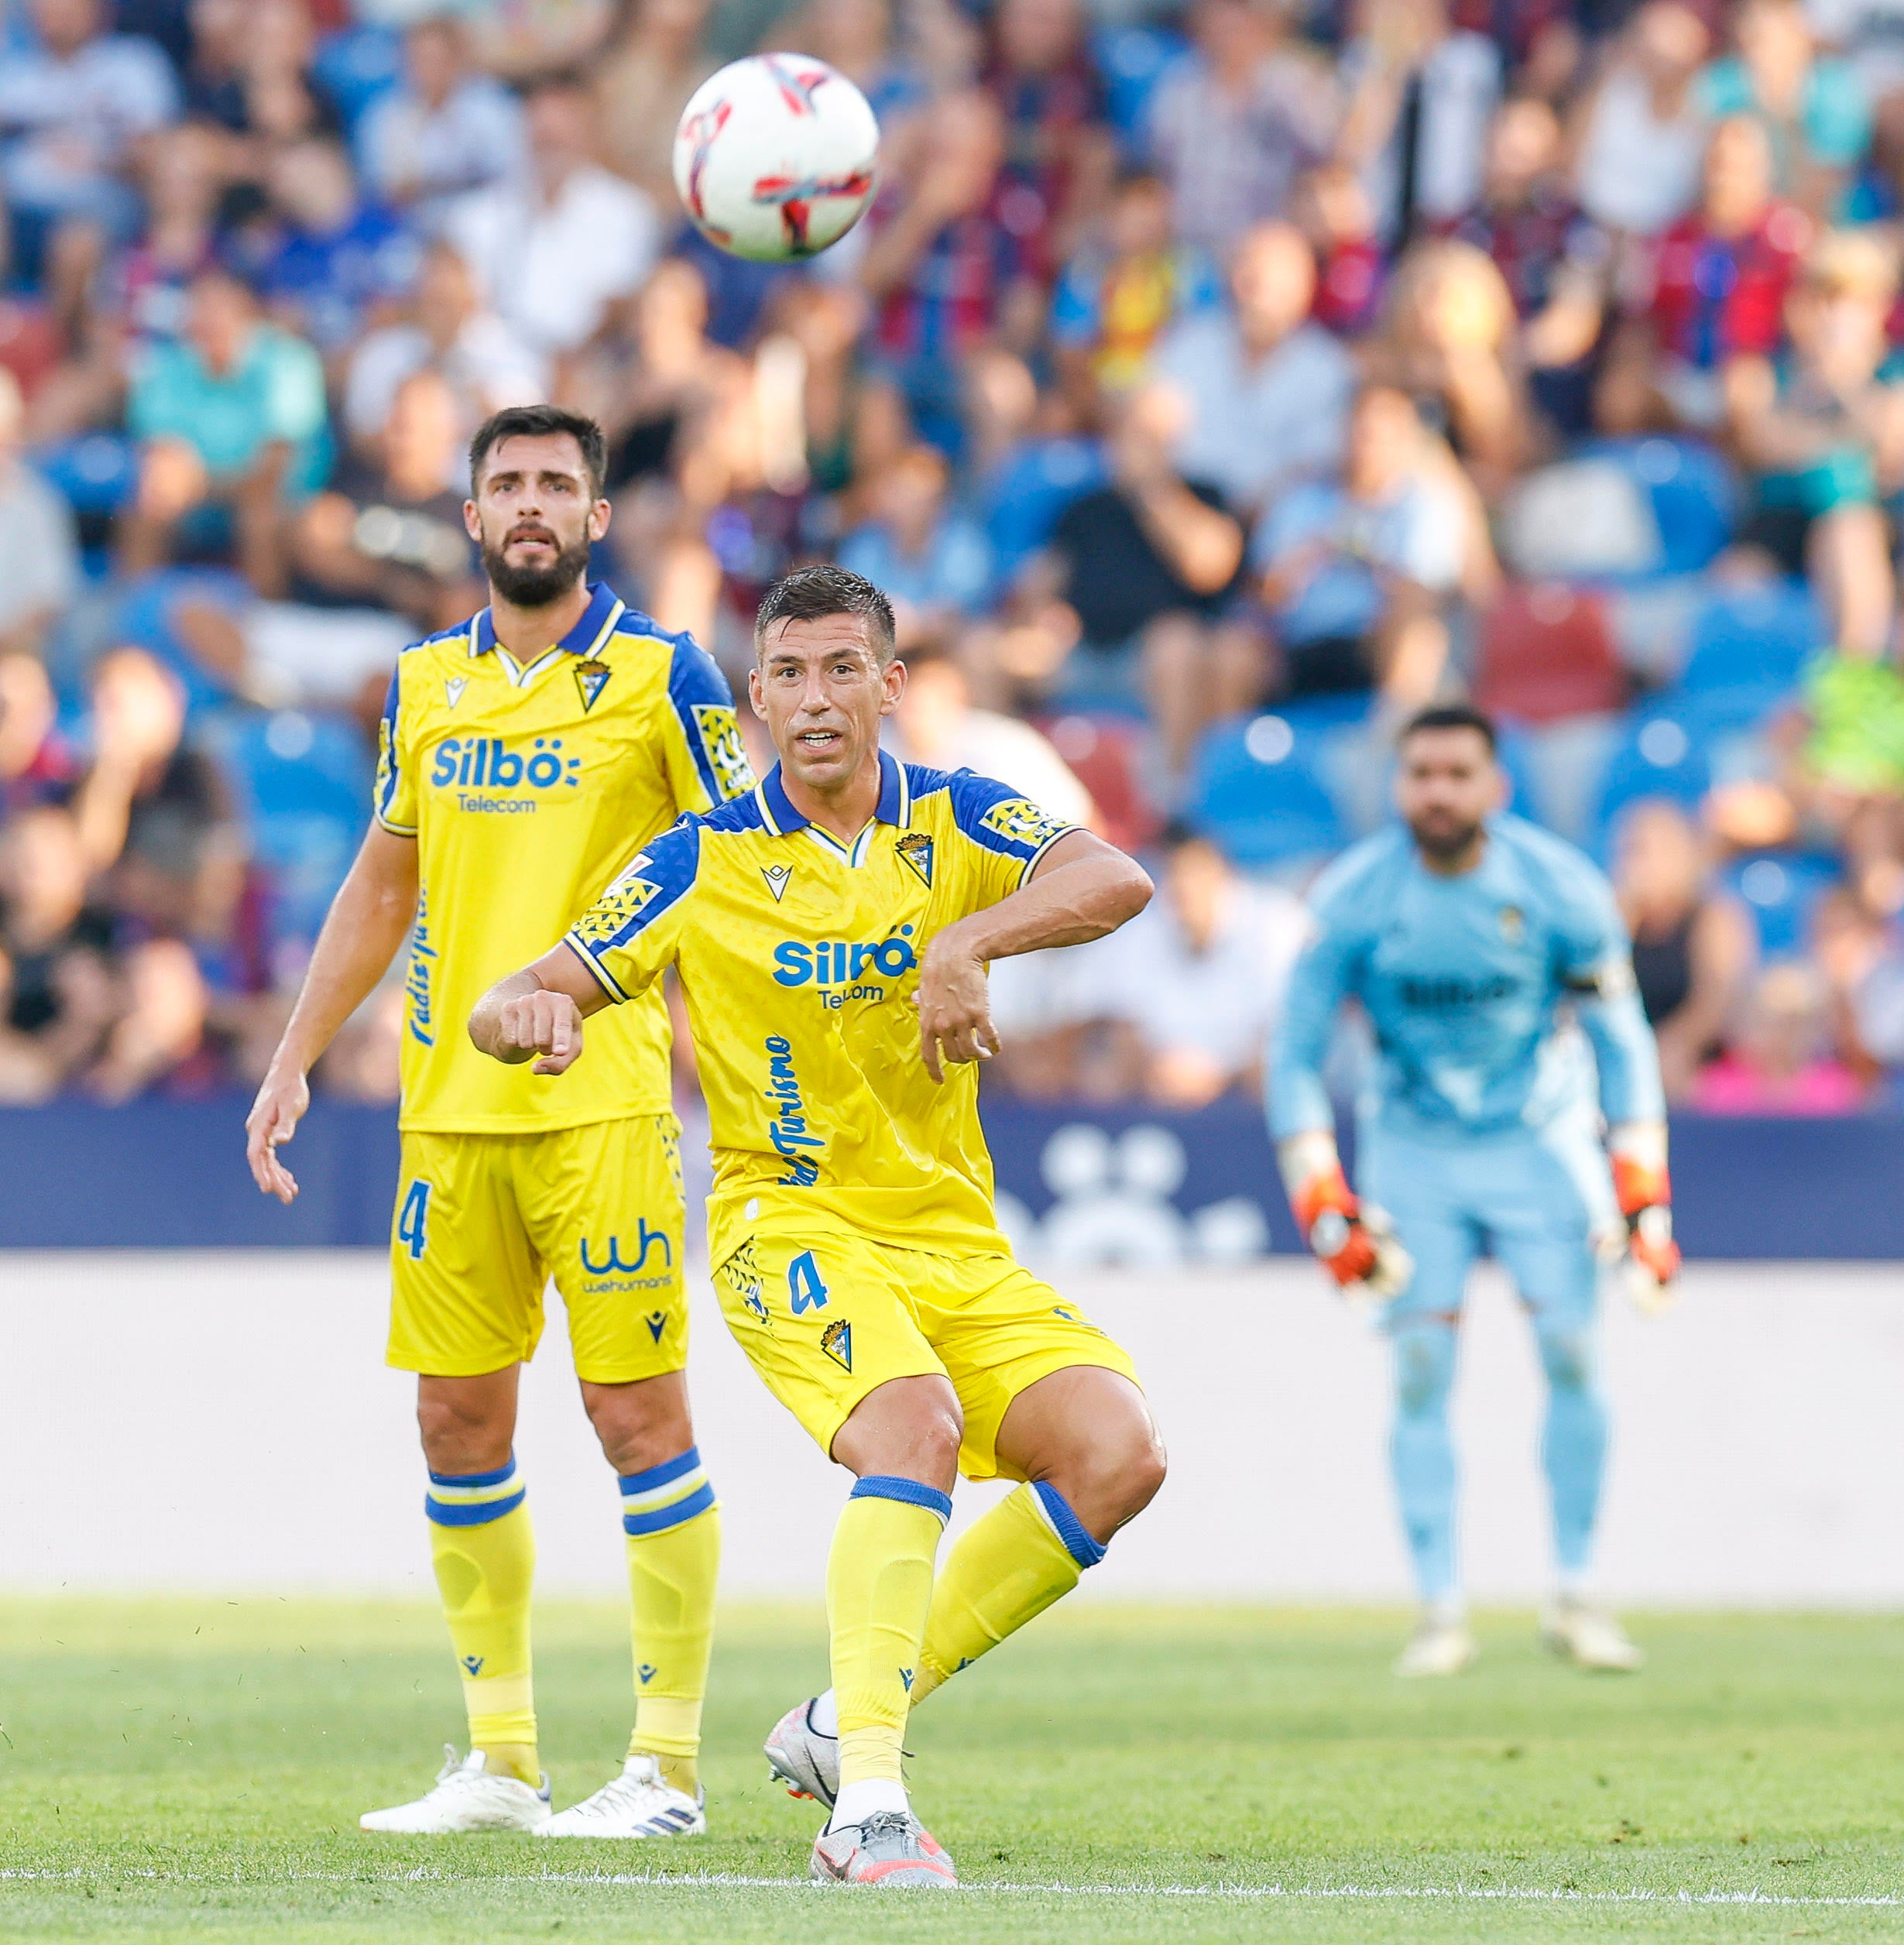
x=483, y=1221
x=827, y=1318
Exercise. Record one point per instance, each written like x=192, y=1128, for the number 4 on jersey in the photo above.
x=804, y=1285
x=413, y=1222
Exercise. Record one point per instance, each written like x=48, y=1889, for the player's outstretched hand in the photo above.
x=272, y=1122
x=539, y=1023
x=954, y=1003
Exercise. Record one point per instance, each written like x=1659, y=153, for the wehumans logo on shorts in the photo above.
x=615, y=1264
x=788, y=1130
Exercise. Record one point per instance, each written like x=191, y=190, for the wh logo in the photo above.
x=647, y=1238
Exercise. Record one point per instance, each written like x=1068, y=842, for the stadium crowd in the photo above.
x=1210, y=386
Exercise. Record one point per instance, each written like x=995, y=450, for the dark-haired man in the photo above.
x=1478, y=947
x=831, y=931
x=524, y=755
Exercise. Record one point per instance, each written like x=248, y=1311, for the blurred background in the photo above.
x=1210, y=384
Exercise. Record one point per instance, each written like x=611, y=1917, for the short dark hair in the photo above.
x=811, y=594
x=537, y=422
x=1452, y=716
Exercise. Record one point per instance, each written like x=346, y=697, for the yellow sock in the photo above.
x=485, y=1554
x=673, y=1523
x=1006, y=1569
x=879, y=1585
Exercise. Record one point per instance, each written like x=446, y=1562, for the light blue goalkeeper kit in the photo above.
x=1497, y=998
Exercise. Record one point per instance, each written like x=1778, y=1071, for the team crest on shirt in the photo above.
x=591, y=678
x=727, y=755
x=916, y=848
x=454, y=686
x=778, y=877
x=1019, y=820
x=1513, y=923
x=836, y=1341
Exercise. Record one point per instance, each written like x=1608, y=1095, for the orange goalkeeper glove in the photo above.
x=1354, y=1245
x=1645, y=1197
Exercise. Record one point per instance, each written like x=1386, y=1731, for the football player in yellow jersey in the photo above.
x=524, y=756
x=832, y=931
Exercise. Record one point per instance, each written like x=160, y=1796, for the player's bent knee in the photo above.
x=1424, y=1369
x=910, y=1427
x=643, y=1424
x=466, y=1425
x=1567, y=1356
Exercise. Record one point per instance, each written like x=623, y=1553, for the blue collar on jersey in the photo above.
x=584, y=639
x=895, y=804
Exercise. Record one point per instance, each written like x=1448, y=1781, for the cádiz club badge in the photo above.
x=591, y=678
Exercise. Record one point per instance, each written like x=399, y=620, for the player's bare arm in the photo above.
x=537, y=1014
x=1081, y=889
x=367, y=922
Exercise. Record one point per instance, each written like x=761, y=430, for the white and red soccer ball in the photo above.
x=775, y=157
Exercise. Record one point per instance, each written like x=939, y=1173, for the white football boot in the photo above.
x=1441, y=1644
x=893, y=1848
x=467, y=1797
x=1589, y=1638
x=802, y=1759
x=636, y=1803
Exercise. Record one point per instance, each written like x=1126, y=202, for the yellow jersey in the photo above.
x=798, y=957
x=527, y=787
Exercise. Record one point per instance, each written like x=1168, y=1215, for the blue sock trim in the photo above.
x=1077, y=1543
x=476, y=1478
x=441, y=1513
x=662, y=1475
x=908, y=1492
x=638, y=1526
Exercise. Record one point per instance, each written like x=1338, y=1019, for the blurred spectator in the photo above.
x=1719, y=277
x=183, y=177
x=158, y=1039
x=1450, y=340
x=338, y=263
x=361, y=1064
x=1823, y=430
x=1780, y=1061
x=36, y=764
x=935, y=564
x=1555, y=260
x=643, y=82
x=444, y=129
x=1122, y=290
x=251, y=73
x=39, y=568
x=942, y=274
x=55, y=942
x=486, y=364
x=1811, y=108
x=1134, y=572
x=1356, y=575
x=1640, y=134
x=1422, y=90
x=553, y=247
x=1333, y=209
x=230, y=419
x=1267, y=391
x=1231, y=127
x=72, y=105
x=857, y=37
x=1693, y=949
x=521, y=40
x=391, y=534
x=1198, y=982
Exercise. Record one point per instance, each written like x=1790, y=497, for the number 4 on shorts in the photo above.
x=804, y=1285
x=413, y=1223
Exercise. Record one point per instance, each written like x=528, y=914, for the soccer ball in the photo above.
x=775, y=157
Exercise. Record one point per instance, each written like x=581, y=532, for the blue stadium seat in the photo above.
x=96, y=474
x=1256, y=792
x=1692, y=491
x=354, y=66
x=1661, y=755
x=1781, y=889
x=302, y=782
x=1132, y=60
x=1752, y=644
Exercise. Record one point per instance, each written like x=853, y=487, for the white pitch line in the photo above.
x=729, y=1880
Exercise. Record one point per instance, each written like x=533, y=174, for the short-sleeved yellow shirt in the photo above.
x=528, y=787
x=798, y=957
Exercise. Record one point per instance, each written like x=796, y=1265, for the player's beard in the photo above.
x=535, y=587
x=1445, y=844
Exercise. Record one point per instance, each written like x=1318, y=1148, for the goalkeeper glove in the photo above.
x=1645, y=1196
x=1355, y=1242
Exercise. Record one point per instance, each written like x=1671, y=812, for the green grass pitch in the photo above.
x=192, y=1769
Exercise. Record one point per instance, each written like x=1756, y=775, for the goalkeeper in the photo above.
x=1478, y=947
